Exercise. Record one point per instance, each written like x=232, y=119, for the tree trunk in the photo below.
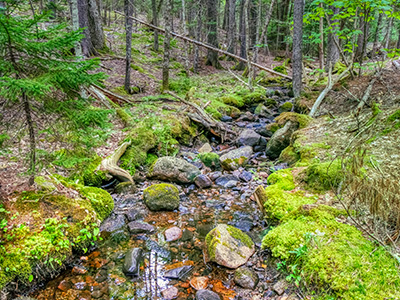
x=212, y=38
x=185, y=43
x=231, y=26
x=225, y=23
x=388, y=32
x=199, y=24
x=32, y=141
x=298, y=11
x=155, y=23
x=333, y=53
x=95, y=26
x=75, y=25
x=258, y=41
x=128, y=9
x=321, y=37
x=247, y=28
x=86, y=42
x=242, y=36
x=167, y=40
x=267, y=21
x=376, y=35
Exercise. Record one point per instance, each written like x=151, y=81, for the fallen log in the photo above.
x=209, y=47
x=109, y=164
x=366, y=95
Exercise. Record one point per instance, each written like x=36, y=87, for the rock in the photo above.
x=224, y=179
x=199, y=283
x=248, y=137
x=133, y=258
x=246, y=278
x=229, y=246
x=215, y=175
x=161, y=196
x=205, y=148
x=236, y=158
x=134, y=214
x=173, y=169
x=124, y=188
x=207, y=295
x=287, y=106
x=246, y=176
x=202, y=181
x=187, y=235
x=280, y=286
x=136, y=227
x=230, y=184
x=226, y=119
x=280, y=140
x=112, y=224
x=210, y=159
x=178, y=273
x=264, y=131
x=170, y=293
x=173, y=234
x=262, y=111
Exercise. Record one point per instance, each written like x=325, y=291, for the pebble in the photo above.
x=173, y=234
x=140, y=227
x=170, y=293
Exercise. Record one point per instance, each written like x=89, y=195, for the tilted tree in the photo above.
x=298, y=11
x=128, y=10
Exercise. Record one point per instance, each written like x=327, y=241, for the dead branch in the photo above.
x=260, y=196
x=328, y=88
x=209, y=47
x=109, y=164
x=366, y=95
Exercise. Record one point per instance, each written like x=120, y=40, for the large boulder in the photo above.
x=173, y=169
x=236, y=158
x=229, y=246
x=280, y=140
x=248, y=137
x=161, y=196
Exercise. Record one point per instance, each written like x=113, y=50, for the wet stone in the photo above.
x=173, y=234
x=178, y=273
x=246, y=278
x=215, y=175
x=113, y=223
x=97, y=294
x=248, y=137
x=64, y=285
x=246, y=176
x=202, y=181
x=134, y=215
x=187, y=235
x=207, y=295
x=226, y=119
x=140, y=227
x=133, y=258
x=79, y=270
x=224, y=179
x=230, y=184
x=280, y=286
x=206, y=148
x=170, y=293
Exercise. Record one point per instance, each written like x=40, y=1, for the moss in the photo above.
x=282, y=179
x=272, y=127
x=281, y=69
x=137, y=68
x=254, y=97
x=302, y=120
x=271, y=81
x=334, y=255
x=3, y=138
x=271, y=103
x=324, y=176
x=156, y=189
x=44, y=184
x=210, y=159
x=151, y=158
x=124, y=187
x=124, y=116
x=289, y=156
x=95, y=178
x=233, y=164
x=101, y=200
x=233, y=100
x=287, y=106
x=239, y=235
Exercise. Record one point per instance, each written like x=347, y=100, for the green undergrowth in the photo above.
x=53, y=227
x=210, y=160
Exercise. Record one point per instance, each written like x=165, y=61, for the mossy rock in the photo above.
x=210, y=160
x=271, y=103
x=173, y=169
x=161, y=196
x=236, y=158
x=334, y=255
x=302, y=120
x=287, y=106
x=283, y=179
x=44, y=184
x=233, y=100
x=229, y=246
x=289, y=156
x=324, y=176
x=101, y=200
x=254, y=97
x=95, y=178
x=124, y=188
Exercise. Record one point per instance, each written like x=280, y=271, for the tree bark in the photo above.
x=75, y=25
x=267, y=21
x=128, y=9
x=86, y=42
x=199, y=25
x=32, y=140
x=376, y=35
x=231, y=26
x=185, y=43
x=333, y=54
x=247, y=28
x=167, y=40
x=242, y=36
x=321, y=37
x=388, y=32
x=362, y=38
x=212, y=37
x=95, y=25
x=155, y=22
x=298, y=11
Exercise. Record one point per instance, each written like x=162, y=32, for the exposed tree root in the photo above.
x=109, y=164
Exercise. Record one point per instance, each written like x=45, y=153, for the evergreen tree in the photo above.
x=36, y=65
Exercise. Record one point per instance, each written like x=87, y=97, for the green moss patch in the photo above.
x=302, y=120
x=210, y=159
x=101, y=200
x=283, y=179
x=324, y=176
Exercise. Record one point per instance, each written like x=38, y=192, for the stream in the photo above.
x=176, y=269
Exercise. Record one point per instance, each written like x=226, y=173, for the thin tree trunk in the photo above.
x=95, y=26
x=32, y=141
x=155, y=23
x=321, y=37
x=167, y=40
x=212, y=37
x=376, y=35
x=231, y=26
x=86, y=42
x=297, y=46
x=388, y=32
x=247, y=28
x=225, y=23
x=333, y=54
x=75, y=25
x=242, y=36
x=185, y=43
x=196, y=59
x=287, y=29
x=128, y=9
x=264, y=32
x=258, y=41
